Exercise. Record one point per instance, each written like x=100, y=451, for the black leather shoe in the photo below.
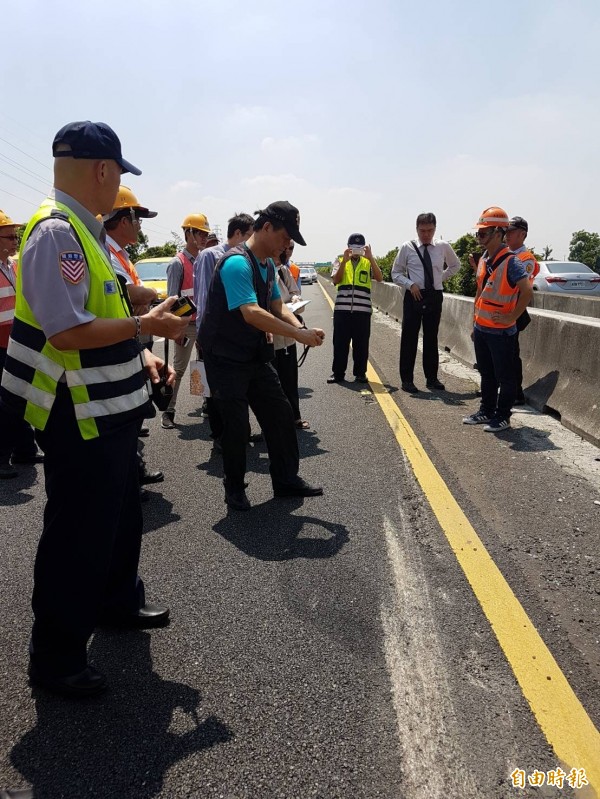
x=146, y=477
x=144, y=431
x=146, y=618
x=435, y=385
x=7, y=471
x=237, y=500
x=37, y=458
x=361, y=379
x=144, y=495
x=77, y=686
x=299, y=488
x=335, y=379
x=410, y=388
x=256, y=438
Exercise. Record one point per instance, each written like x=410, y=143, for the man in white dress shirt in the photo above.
x=420, y=268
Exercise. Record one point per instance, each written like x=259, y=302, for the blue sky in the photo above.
x=361, y=114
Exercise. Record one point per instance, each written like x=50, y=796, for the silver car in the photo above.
x=567, y=277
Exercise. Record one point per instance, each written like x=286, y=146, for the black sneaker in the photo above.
x=335, y=379
x=479, y=417
x=435, y=385
x=167, y=420
x=497, y=425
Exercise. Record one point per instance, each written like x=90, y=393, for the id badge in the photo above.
x=110, y=287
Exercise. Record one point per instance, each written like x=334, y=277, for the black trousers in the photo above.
x=496, y=363
x=16, y=435
x=414, y=315
x=286, y=364
x=234, y=387
x=355, y=327
x=518, y=369
x=88, y=554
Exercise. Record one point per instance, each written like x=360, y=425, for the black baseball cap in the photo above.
x=518, y=223
x=286, y=213
x=91, y=140
x=356, y=240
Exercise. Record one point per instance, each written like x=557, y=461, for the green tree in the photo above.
x=585, y=248
x=386, y=262
x=134, y=250
x=546, y=253
x=463, y=282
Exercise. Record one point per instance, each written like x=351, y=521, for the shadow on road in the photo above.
x=271, y=532
x=158, y=512
x=121, y=743
x=14, y=491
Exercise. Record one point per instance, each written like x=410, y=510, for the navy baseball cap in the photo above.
x=356, y=240
x=93, y=140
x=286, y=213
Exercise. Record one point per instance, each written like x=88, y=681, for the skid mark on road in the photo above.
x=431, y=767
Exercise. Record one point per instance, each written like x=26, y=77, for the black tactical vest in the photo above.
x=224, y=333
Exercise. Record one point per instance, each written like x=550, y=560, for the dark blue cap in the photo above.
x=95, y=140
x=356, y=240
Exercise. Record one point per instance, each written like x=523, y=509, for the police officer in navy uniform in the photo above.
x=76, y=371
x=243, y=311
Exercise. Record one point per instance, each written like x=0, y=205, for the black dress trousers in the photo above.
x=88, y=554
x=286, y=364
x=236, y=385
x=414, y=314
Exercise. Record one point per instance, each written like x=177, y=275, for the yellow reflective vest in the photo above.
x=107, y=384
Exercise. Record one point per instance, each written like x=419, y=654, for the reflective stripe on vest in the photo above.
x=497, y=296
x=354, y=291
x=106, y=384
x=187, y=284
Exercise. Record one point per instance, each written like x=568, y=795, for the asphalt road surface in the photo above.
x=334, y=647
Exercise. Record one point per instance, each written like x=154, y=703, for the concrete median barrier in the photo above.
x=560, y=352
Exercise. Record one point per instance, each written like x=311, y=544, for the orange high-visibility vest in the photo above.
x=7, y=305
x=497, y=296
x=127, y=266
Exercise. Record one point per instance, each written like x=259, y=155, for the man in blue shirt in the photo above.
x=243, y=311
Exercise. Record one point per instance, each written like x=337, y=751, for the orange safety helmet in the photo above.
x=493, y=217
x=196, y=222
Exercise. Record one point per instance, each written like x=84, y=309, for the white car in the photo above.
x=308, y=274
x=567, y=277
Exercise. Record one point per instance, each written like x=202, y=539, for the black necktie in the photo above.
x=428, y=268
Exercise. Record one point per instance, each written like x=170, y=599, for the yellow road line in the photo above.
x=559, y=713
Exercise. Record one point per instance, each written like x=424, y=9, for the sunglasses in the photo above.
x=484, y=234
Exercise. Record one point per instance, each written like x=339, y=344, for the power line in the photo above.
x=16, y=196
x=41, y=163
x=27, y=172
x=12, y=177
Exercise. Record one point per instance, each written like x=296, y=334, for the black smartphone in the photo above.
x=183, y=306
x=477, y=255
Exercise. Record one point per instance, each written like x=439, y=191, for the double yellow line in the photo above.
x=559, y=713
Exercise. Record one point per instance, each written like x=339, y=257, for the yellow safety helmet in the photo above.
x=6, y=221
x=127, y=199
x=196, y=222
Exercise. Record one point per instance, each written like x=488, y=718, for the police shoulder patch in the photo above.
x=72, y=266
